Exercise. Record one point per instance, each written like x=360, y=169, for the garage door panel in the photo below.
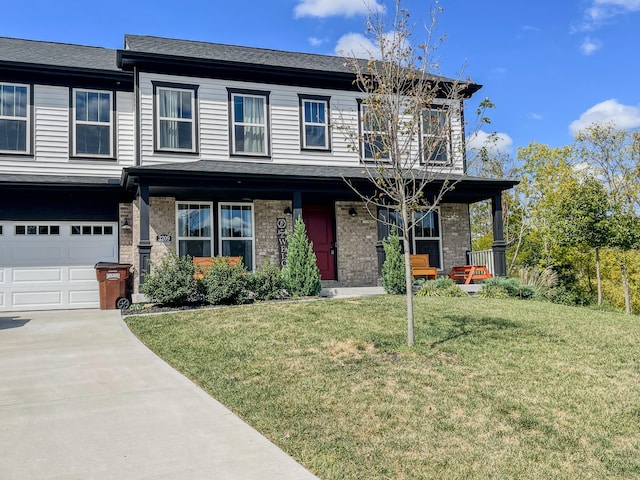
x=83, y=298
x=2, y=276
x=79, y=274
x=37, y=275
x=40, y=254
x=2, y=300
x=37, y=299
x=92, y=253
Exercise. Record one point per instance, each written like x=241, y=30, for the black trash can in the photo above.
x=113, y=280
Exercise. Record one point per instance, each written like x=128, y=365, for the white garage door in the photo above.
x=50, y=265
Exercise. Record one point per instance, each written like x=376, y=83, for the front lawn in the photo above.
x=492, y=389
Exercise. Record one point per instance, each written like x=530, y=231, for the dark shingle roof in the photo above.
x=235, y=54
x=57, y=54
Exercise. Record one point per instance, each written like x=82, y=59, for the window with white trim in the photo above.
x=314, y=119
x=249, y=122
x=14, y=118
x=194, y=222
x=435, y=136
x=175, y=118
x=374, y=145
x=93, y=123
x=237, y=232
x=427, y=237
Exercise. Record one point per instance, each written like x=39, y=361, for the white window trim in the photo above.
x=324, y=124
x=89, y=122
x=26, y=119
x=212, y=226
x=447, y=140
x=191, y=120
x=264, y=125
x=373, y=133
x=439, y=239
x=253, y=229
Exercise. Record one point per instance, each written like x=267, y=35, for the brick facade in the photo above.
x=266, y=213
x=356, y=239
x=356, y=236
x=456, y=234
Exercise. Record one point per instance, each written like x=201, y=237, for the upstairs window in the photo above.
x=93, y=115
x=176, y=114
x=14, y=118
x=374, y=131
x=435, y=136
x=249, y=122
x=314, y=113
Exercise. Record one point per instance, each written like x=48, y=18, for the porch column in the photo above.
x=144, y=247
x=499, y=246
x=297, y=206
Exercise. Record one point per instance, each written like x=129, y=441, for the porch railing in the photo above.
x=482, y=257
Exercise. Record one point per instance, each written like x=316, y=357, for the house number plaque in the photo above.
x=163, y=237
x=281, y=235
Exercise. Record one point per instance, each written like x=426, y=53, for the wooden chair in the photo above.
x=420, y=267
x=203, y=264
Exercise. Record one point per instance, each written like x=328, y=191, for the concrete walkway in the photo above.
x=82, y=398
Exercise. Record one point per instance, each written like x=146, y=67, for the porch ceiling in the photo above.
x=277, y=181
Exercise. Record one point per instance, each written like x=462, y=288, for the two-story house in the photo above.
x=197, y=148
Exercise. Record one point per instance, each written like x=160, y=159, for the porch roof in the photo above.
x=277, y=179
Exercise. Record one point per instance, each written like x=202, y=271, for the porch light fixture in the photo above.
x=288, y=211
x=126, y=225
x=353, y=212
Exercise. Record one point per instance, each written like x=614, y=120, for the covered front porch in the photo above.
x=209, y=208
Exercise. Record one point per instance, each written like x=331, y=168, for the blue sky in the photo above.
x=550, y=67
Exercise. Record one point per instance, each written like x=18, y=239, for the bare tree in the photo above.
x=410, y=139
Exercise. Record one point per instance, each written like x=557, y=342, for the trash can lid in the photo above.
x=111, y=265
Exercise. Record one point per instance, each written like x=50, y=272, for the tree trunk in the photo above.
x=407, y=274
x=598, y=279
x=625, y=287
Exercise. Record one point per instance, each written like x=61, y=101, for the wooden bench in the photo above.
x=469, y=273
x=420, y=267
x=203, y=264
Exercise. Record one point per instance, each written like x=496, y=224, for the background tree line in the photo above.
x=576, y=210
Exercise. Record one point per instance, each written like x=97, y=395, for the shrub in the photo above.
x=393, y=271
x=267, y=283
x=501, y=287
x=172, y=282
x=543, y=282
x=301, y=274
x=441, y=287
x=225, y=284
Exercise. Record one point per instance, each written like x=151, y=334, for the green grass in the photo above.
x=492, y=389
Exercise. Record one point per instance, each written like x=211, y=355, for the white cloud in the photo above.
x=356, y=45
x=498, y=142
x=315, y=41
x=622, y=116
x=536, y=116
x=590, y=46
x=601, y=11
x=328, y=8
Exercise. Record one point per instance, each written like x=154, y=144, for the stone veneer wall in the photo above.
x=162, y=219
x=356, y=238
x=266, y=213
x=125, y=237
x=456, y=234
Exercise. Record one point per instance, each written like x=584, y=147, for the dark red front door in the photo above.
x=321, y=231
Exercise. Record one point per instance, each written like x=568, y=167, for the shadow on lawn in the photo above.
x=453, y=327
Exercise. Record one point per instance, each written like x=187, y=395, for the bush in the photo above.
x=441, y=287
x=301, y=274
x=267, y=283
x=225, y=284
x=172, y=282
x=501, y=287
x=393, y=271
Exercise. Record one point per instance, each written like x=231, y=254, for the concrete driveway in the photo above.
x=82, y=398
